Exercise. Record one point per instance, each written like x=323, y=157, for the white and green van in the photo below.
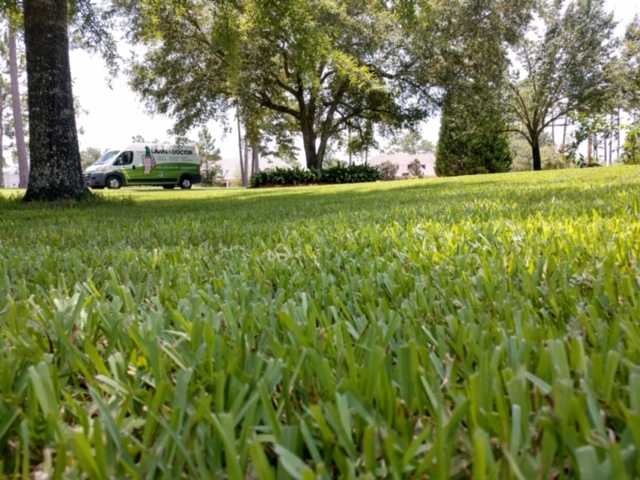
x=146, y=164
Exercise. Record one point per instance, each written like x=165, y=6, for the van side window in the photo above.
x=125, y=158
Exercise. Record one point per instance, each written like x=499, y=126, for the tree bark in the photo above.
x=1, y=134
x=242, y=173
x=56, y=170
x=255, y=159
x=535, y=150
x=23, y=162
x=245, y=175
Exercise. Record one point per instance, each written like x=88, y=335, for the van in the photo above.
x=146, y=164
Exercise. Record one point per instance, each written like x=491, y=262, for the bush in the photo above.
x=283, y=176
x=297, y=176
x=388, y=170
x=415, y=168
x=211, y=177
x=350, y=174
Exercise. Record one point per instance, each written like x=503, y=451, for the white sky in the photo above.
x=116, y=114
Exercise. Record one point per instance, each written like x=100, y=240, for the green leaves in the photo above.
x=441, y=328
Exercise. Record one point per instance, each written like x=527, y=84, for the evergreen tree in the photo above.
x=470, y=144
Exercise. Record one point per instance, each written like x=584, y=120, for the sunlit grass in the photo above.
x=481, y=326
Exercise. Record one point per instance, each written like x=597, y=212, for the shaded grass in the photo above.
x=446, y=328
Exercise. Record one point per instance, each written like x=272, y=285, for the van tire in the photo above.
x=185, y=182
x=113, y=182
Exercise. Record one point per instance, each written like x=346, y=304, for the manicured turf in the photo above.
x=486, y=326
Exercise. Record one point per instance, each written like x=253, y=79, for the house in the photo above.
x=427, y=161
x=10, y=177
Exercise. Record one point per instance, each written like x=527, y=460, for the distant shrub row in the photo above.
x=299, y=176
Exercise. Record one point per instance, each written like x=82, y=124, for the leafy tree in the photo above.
x=328, y=66
x=466, y=146
x=415, y=168
x=472, y=40
x=89, y=156
x=388, y=170
x=411, y=142
x=210, y=156
x=563, y=67
x=138, y=139
x=630, y=62
x=631, y=155
x=521, y=151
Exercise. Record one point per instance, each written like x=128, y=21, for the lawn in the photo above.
x=482, y=326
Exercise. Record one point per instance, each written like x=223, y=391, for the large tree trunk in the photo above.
x=23, y=163
x=310, y=149
x=1, y=134
x=535, y=150
x=56, y=171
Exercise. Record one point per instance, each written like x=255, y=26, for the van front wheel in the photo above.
x=114, y=182
x=185, y=182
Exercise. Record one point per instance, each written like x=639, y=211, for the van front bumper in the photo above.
x=94, y=179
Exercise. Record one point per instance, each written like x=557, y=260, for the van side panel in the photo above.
x=157, y=164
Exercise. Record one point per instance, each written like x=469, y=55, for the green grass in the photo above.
x=484, y=327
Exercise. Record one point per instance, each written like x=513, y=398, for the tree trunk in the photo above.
x=255, y=159
x=535, y=150
x=242, y=173
x=589, y=148
x=23, y=162
x=245, y=176
x=310, y=152
x=1, y=134
x=56, y=171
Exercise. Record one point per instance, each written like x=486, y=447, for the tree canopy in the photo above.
x=328, y=65
x=561, y=67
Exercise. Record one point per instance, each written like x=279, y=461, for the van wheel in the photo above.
x=168, y=187
x=114, y=182
x=185, y=182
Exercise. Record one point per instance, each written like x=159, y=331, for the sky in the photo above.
x=115, y=113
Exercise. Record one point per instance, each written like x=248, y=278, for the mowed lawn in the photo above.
x=482, y=326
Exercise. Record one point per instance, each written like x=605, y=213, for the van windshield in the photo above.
x=106, y=157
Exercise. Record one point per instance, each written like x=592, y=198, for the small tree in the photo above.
x=415, y=168
x=469, y=145
x=88, y=156
x=631, y=155
x=388, y=170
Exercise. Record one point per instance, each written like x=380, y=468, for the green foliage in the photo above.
x=308, y=62
x=89, y=156
x=565, y=67
x=388, y=170
x=521, y=151
x=284, y=176
x=631, y=155
x=211, y=175
x=477, y=326
x=338, y=173
x=411, y=142
x=415, y=168
x=342, y=173
x=468, y=146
